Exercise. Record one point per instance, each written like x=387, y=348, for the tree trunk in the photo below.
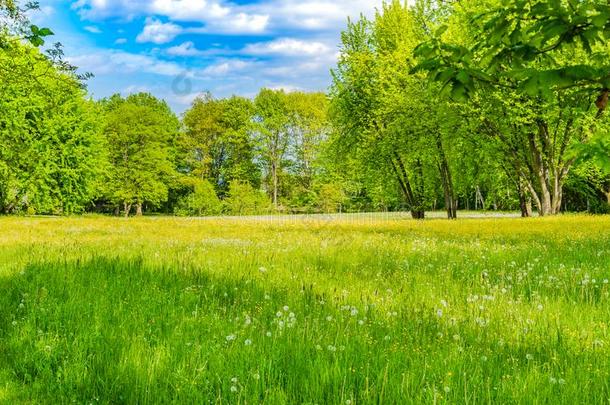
x=525, y=201
x=139, y=211
x=418, y=214
x=275, y=184
x=117, y=211
x=447, y=180
x=127, y=209
x=608, y=196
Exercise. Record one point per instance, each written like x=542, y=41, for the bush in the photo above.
x=243, y=199
x=201, y=201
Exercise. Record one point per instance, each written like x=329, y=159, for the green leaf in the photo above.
x=45, y=32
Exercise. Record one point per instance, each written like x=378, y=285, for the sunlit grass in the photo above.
x=379, y=311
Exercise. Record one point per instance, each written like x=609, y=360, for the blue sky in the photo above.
x=177, y=49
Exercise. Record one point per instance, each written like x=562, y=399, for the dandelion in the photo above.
x=234, y=380
x=439, y=313
x=279, y=314
x=230, y=338
x=529, y=357
x=256, y=376
x=447, y=390
x=444, y=303
x=553, y=380
x=540, y=307
x=248, y=342
x=354, y=312
x=14, y=323
x=286, y=308
x=361, y=322
x=348, y=402
x=331, y=348
x=233, y=388
x=268, y=334
x=329, y=318
x=562, y=381
x=262, y=270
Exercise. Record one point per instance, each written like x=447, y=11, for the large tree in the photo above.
x=140, y=131
x=51, y=152
x=271, y=125
x=216, y=144
x=388, y=116
x=537, y=74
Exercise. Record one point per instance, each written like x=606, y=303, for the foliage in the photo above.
x=243, y=199
x=201, y=200
x=51, y=152
x=138, y=130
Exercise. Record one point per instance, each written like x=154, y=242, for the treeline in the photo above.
x=407, y=125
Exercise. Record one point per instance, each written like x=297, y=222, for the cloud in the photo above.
x=120, y=41
x=224, y=68
x=185, y=49
x=92, y=29
x=216, y=16
x=288, y=47
x=158, y=32
x=113, y=62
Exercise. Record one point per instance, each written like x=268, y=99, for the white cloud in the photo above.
x=288, y=47
x=120, y=63
x=224, y=68
x=214, y=15
x=120, y=41
x=185, y=49
x=158, y=32
x=93, y=29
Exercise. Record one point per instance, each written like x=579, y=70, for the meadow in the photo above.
x=167, y=310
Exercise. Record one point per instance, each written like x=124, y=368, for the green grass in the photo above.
x=100, y=310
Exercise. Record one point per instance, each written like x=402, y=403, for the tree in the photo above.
x=271, y=124
x=139, y=130
x=514, y=62
x=216, y=144
x=388, y=116
x=50, y=144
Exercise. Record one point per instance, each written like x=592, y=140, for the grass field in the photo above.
x=101, y=310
